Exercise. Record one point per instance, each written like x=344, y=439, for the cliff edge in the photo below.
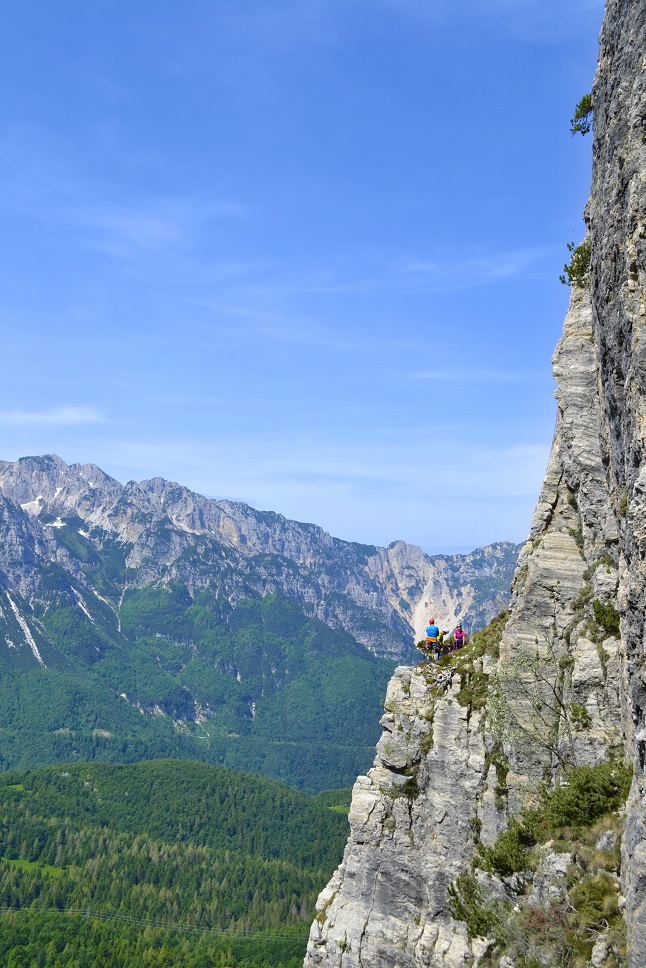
x=471, y=747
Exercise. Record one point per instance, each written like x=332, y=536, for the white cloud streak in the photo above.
x=438, y=470
x=54, y=417
x=161, y=237
x=477, y=376
x=41, y=181
x=290, y=23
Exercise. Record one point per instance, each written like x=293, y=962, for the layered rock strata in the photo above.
x=616, y=217
x=554, y=653
x=413, y=820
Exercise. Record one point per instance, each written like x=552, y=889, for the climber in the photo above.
x=432, y=637
x=445, y=641
x=459, y=637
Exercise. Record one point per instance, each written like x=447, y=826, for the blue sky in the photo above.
x=301, y=254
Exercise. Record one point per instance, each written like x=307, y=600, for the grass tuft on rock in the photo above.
x=591, y=792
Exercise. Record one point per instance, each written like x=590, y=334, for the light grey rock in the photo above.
x=492, y=814
x=616, y=216
x=412, y=831
x=600, y=951
x=551, y=620
x=549, y=880
x=607, y=841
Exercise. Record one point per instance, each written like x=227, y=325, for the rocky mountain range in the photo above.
x=503, y=823
x=206, y=618
x=69, y=516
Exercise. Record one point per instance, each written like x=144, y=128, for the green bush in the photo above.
x=595, y=901
x=579, y=715
x=581, y=123
x=607, y=617
x=510, y=852
x=590, y=793
x=467, y=903
x=576, y=271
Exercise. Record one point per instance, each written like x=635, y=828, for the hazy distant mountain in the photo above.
x=154, y=621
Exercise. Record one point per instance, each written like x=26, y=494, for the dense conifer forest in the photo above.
x=163, y=863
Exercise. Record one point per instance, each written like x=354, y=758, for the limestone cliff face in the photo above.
x=616, y=217
x=569, y=563
x=571, y=677
x=412, y=826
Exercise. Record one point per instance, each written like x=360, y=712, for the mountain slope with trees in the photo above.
x=159, y=862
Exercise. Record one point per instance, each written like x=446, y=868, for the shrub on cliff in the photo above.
x=591, y=792
x=581, y=123
x=607, y=617
x=577, y=270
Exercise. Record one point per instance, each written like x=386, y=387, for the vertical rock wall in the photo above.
x=565, y=658
x=616, y=217
x=413, y=821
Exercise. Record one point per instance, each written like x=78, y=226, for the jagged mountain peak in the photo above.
x=47, y=483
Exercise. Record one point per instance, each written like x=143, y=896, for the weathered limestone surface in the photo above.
x=549, y=880
x=616, y=217
x=570, y=560
x=412, y=831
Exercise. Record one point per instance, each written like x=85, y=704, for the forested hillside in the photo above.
x=161, y=863
x=276, y=692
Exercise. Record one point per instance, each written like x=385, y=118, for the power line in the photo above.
x=129, y=919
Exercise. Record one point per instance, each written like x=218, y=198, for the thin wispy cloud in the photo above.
x=345, y=489
x=314, y=467
x=292, y=24
x=43, y=181
x=149, y=225
x=468, y=267
x=387, y=273
x=281, y=25
x=164, y=237
x=54, y=417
